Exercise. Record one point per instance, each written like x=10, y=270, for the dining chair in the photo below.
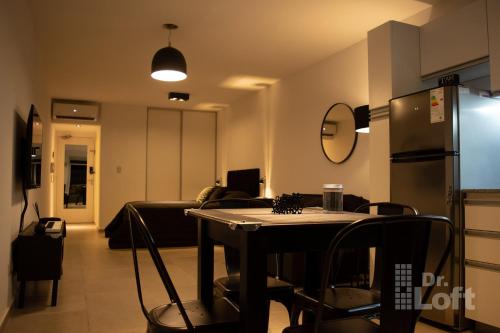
x=229, y=286
x=342, y=301
x=403, y=243
x=177, y=316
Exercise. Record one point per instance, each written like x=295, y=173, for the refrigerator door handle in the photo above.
x=449, y=196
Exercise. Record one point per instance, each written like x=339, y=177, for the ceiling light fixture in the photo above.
x=362, y=119
x=169, y=63
x=178, y=96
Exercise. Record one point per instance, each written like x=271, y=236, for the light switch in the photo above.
x=119, y=169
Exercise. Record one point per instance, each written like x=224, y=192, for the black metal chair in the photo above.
x=277, y=290
x=189, y=316
x=403, y=243
x=341, y=301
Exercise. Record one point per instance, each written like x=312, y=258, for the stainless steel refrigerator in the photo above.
x=444, y=140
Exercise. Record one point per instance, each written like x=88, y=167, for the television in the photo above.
x=33, y=150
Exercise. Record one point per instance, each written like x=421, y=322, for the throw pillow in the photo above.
x=204, y=194
x=217, y=193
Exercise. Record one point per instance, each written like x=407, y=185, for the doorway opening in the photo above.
x=75, y=176
x=74, y=180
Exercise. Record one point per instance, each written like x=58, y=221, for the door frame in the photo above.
x=74, y=215
x=75, y=130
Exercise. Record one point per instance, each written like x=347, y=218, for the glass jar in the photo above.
x=332, y=197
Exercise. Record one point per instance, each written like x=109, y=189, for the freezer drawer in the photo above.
x=485, y=283
x=483, y=247
x=482, y=214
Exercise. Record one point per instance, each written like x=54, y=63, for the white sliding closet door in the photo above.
x=163, y=176
x=198, y=152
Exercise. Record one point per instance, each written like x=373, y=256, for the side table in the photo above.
x=38, y=257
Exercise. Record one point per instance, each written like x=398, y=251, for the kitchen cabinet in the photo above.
x=455, y=40
x=482, y=254
x=493, y=12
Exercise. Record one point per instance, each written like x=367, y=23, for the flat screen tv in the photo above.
x=33, y=150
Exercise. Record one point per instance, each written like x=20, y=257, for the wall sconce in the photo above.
x=362, y=119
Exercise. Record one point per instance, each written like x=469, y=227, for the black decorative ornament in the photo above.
x=288, y=204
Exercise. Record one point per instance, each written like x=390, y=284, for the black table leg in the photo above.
x=55, y=284
x=22, y=289
x=312, y=279
x=253, y=283
x=205, y=263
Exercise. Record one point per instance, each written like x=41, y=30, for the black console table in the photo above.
x=38, y=257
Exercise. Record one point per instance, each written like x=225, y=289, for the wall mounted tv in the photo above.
x=33, y=151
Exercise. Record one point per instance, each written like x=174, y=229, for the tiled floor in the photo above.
x=97, y=291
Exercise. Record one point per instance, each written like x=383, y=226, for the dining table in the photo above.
x=257, y=232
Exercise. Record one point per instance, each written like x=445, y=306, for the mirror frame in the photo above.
x=355, y=134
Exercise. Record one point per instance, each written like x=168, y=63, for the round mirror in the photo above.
x=338, y=133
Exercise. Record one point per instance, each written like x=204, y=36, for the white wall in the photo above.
x=16, y=94
x=278, y=128
x=283, y=122
x=123, y=145
x=245, y=132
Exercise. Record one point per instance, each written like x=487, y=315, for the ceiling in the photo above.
x=101, y=50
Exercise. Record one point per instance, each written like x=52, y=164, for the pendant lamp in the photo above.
x=168, y=63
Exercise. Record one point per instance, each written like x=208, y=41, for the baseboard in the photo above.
x=5, y=317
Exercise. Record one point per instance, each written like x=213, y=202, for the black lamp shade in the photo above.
x=362, y=118
x=168, y=65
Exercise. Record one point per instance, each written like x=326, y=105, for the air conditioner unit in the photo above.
x=73, y=111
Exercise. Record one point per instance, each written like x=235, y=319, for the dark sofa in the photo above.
x=166, y=220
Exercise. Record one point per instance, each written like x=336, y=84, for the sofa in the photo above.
x=166, y=220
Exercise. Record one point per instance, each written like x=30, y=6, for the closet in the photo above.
x=181, y=153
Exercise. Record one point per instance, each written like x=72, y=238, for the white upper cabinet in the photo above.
x=494, y=43
x=457, y=39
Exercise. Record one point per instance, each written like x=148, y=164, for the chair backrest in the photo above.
x=403, y=240
x=232, y=256
x=388, y=208
x=137, y=225
x=384, y=208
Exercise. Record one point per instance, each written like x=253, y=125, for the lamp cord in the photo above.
x=169, y=35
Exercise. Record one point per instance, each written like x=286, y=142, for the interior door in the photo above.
x=199, y=144
x=163, y=175
x=75, y=179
